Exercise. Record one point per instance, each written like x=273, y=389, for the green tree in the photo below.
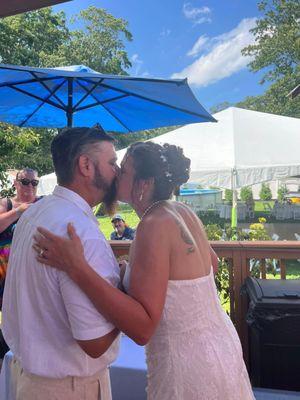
x=276, y=51
x=41, y=38
x=100, y=44
x=123, y=141
x=281, y=193
x=220, y=107
x=265, y=193
x=246, y=194
x=29, y=38
x=228, y=195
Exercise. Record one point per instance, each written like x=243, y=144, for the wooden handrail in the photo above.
x=238, y=255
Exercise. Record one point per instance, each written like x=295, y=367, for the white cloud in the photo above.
x=223, y=58
x=198, y=15
x=136, y=64
x=195, y=50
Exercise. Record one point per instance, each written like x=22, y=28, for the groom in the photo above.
x=62, y=346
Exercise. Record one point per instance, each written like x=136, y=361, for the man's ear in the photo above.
x=85, y=165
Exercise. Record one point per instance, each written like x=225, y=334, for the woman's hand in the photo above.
x=65, y=254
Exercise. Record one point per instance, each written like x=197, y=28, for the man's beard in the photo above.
x=109, y=200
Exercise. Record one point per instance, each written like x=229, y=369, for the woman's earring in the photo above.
x=141, y=196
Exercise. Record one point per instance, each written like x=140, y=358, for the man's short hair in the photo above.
x=69, y=144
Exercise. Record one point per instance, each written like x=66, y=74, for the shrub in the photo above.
x=265, y=193
x=282, y=191
x=228, y=195
x=246, y=194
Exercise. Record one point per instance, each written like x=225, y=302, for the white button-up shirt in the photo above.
x=43, y=310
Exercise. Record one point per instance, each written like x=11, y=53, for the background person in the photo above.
x=11, y=209
x=122, y=230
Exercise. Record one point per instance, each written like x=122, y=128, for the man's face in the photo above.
x=119, y=225
x=26, y=191
x=105, y=171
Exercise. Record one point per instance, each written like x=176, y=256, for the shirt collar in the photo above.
x=73, y=197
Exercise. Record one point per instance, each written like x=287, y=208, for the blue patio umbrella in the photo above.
x=79, y=96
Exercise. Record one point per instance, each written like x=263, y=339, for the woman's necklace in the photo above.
x=149, y=208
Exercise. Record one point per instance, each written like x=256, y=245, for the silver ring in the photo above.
x=41, y=253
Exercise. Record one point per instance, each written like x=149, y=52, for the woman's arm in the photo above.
x=136, y=314
x=9, y=217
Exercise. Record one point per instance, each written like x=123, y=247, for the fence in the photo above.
x=238, y=256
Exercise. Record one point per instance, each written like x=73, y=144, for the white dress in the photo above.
x=195, y=353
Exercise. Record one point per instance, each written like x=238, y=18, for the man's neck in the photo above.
x=83, y=192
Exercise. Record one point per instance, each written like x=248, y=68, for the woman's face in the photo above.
x=125, y=180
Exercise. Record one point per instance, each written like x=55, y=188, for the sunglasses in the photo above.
x=26, y=182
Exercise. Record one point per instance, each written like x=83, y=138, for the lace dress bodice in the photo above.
x=195, y=353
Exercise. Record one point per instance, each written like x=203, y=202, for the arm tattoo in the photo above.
x=186, y=238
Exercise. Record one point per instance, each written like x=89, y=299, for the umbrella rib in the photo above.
x=38, y=98
x=95, y=98
x=86, y=95
x=118, y=119
x=40, y=105
x=49, y=90
x=153, y=101
x=102, y=102
x=26, y=81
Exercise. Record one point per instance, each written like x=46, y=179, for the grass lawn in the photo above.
x=292, y=270
x=262, y=205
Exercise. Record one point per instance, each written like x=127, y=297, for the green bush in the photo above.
x=228, y=195
x=246, y=194
x=265, y=193
x=281, y=193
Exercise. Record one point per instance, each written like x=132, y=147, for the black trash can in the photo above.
x=274, y=333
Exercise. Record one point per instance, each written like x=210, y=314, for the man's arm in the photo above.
x=89, y=328
x=96, y=347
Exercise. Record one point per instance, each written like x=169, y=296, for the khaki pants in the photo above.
x=33, y=387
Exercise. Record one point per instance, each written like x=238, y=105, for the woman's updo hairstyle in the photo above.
x=166, y=164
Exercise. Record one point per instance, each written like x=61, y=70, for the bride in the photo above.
x=171, y=305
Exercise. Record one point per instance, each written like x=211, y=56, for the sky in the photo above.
x=195, y=39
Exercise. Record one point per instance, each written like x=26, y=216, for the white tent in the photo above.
x=243, y=148
x=46, y=184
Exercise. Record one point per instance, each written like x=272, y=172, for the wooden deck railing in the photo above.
x=238, y=256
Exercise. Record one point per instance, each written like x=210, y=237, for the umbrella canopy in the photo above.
x=13, y=7
x=79, y=96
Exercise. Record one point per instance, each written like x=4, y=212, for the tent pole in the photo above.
x=234, y=199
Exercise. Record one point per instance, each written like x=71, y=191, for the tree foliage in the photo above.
x=265, y=193
x=228, y=196
x=282, y=192
x=246, y=194
x=276, y=52
x=42, y=39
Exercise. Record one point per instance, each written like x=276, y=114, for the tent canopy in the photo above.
x=243, y=148
x=249, y=146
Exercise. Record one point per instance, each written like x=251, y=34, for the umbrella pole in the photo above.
x=70, y=103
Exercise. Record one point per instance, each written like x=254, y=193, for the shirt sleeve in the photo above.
x=85, y=321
